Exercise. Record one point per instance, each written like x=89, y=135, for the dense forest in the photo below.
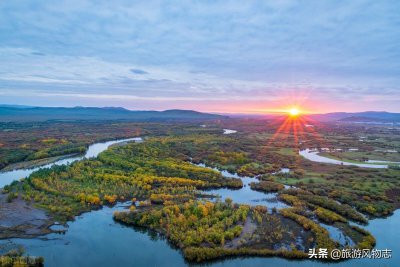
x=33, y=141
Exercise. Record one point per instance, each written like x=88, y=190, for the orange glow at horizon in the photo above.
x=297, y=125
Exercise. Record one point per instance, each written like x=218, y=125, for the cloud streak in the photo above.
x=177, y=53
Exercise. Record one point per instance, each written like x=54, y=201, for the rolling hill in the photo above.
x=24, y=113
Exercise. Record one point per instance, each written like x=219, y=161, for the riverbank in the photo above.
x=314, y=155
x=22, y=220
x=36, y=163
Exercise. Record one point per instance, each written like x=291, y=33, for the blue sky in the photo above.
x=223, y=56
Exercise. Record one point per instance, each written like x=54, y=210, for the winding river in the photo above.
x=94, y=239
x=93, y=150
x=312, y=154
x=245, y=195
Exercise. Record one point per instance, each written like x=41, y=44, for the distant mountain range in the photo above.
x=28, y=113
x=367, y=116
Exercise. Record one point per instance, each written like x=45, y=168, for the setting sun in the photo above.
x=294, y=112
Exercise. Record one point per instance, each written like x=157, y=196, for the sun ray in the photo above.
x=310, y=126
x=298, y=127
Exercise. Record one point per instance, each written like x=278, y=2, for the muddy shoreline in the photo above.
x=19, y=219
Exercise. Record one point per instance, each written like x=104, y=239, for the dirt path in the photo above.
x=248, y=228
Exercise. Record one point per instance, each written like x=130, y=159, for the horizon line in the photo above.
x=256, y=113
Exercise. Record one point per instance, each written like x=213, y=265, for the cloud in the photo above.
x=202, y=49
x=138, y=71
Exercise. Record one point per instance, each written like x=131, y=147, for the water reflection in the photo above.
x=94, y=239
x=228, y=131
x=245, y=195
x=312, y=155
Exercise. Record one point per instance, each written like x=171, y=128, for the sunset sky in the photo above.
x=218, y=56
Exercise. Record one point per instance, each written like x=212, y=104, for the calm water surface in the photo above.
x=246, y=195
x=312, y=155
x=94, y=239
